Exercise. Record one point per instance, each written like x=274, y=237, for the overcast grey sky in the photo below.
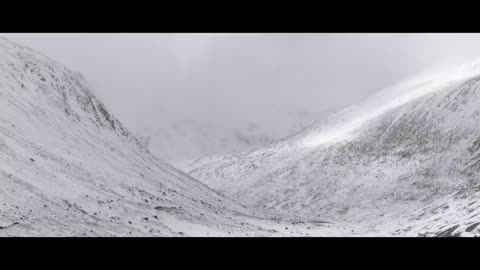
x=230, y=78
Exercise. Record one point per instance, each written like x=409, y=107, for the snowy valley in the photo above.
x=405, y=162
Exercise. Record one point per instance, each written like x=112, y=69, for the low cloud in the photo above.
x=230, y=79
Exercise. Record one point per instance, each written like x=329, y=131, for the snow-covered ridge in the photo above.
x=41, y=79
x=402, y=163
x=347, y=121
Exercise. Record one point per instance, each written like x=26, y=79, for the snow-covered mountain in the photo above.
x=181, y=141
x=70, y=168
x=404, y=162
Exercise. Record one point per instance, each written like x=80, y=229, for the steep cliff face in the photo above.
x=68, y=167
x=407, y=164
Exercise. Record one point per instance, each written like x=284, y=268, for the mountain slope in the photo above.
x=402, y=163
x=69, y=168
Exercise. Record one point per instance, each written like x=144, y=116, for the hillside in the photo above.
x=404, y=162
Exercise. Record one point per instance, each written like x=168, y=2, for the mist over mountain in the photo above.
x=183, y=141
